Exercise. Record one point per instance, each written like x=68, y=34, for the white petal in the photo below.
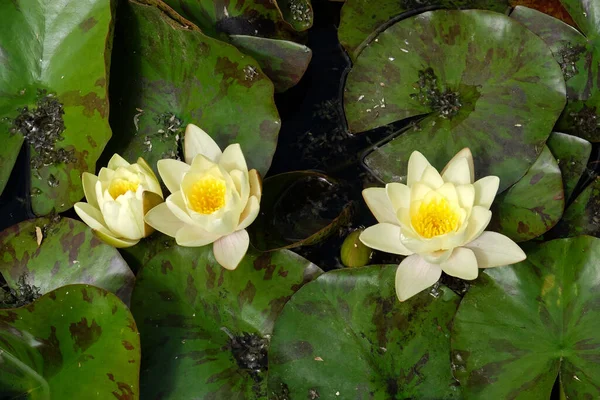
x=478, y=221
x=432, y=178
x=461, y=264
x=418, y=191
x=398, y=194
x=417, y=163
x=448, y=190
x=485, y=190
x=119, y=243
x=194, y=236
x=250, y=213
x=466, y=196
x=92, y=217
x=466, y=154
x=163, y=220
x=384, y=237
x=233, y=158
x=172, y=171
x=255, y=184
x=117, y=161
x=414, y=275
x=89, y=188
x=458, y=172
x=380, y=205
x=125, y=217
x=241, y=183
x=199, y=142
x=176, y=204
x=201, y=163
x=437, y=257
x=493, y=249
x=231, y=249
x=152, y=183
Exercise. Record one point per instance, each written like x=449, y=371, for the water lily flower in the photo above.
x=438, y=221
x=117, y=200
x=214, y=198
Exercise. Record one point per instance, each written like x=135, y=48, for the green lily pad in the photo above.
x=361, y=19
x=498, y=95
x=579, y=56
x=572, y=154
x=284, y=62
x=520, y=326
x=68, y=253
x=65, y=54
x=346, y=335
x=137, y=256
x=299, y=208
x=582, y=217
x=161, y=85
x=205, y=329
x=534, y=204
x=75, y=342
x=236, y=17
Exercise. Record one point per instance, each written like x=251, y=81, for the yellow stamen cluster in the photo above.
x=119, y=187
x=207, y=195
x=435, y=218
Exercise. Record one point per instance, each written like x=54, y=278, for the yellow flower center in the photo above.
x=119, y=187
x=207, y=195
x=435, y=218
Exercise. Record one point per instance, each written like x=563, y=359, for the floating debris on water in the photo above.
x=42, y=127
x=300, y=11
x=23, y=294
x=250, y=73
x=445, y=102
x=567, y=59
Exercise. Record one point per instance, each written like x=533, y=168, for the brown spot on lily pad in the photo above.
x=84, y=335
x=166, y=266
x=522, y=227
x=536, y=178
x=88, y=24
x=86, y=296
x=127, y=345
x=124, y=391
x=232, y=73
x=90, y=102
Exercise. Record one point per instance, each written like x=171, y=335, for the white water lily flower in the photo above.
x=438, y=221
x=213, y=198
x=117, y=200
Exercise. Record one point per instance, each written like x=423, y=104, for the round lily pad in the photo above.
x=361, y=19
x=497, y=94
x=265, y=30
x=160, y=86
x=346, y=335
x=54, y=93
x=205, y=330
x=578, y=54
x=75, y=342
x=299, y=208
x=52, y=252
x=521, y=326
x=534, y=204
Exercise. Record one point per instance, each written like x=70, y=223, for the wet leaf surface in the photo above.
x=284, y=62
x=520, y=326
x=186, y=77
x=347, y=333
x=499, y=96
x=572, y=154
x=534, y=204
x=205, y=329
x=68, y=253
x=579, y=57
x=73, y=342
x=361, y=19
x=53, y=91
x=299, y=209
